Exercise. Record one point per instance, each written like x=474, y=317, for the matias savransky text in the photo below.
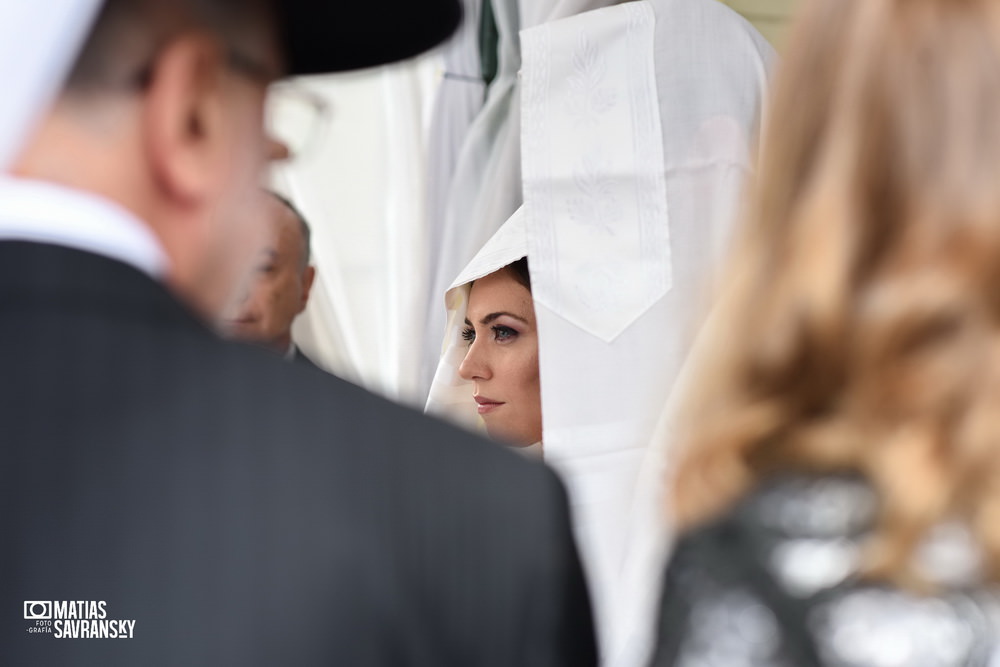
x=76, y=619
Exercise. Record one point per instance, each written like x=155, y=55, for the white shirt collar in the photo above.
x=47, y=213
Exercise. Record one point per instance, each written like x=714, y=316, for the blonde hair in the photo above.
x=859, y=324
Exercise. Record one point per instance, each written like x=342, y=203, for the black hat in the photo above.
x=337, y=35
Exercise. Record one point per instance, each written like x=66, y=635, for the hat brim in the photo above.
x=338, y=35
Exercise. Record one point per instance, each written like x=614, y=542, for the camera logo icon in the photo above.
x=36, y=610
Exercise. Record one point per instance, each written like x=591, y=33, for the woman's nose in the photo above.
x=474, y=366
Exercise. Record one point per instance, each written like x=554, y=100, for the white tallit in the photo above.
x=638, y=123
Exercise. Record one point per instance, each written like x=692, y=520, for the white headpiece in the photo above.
x=39, y=40
x=450, y=395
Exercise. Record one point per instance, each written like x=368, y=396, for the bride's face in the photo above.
x=502, y=360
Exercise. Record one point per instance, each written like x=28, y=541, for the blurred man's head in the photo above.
x=163, y=114
x=279, y=288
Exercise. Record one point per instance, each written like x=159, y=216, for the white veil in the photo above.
x=638, y=123
x=451, y=396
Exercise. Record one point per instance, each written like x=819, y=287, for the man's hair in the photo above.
x=127, y=34
x=306, y=251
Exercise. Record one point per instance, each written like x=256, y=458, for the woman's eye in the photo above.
x=468, y=334
x=502, y=334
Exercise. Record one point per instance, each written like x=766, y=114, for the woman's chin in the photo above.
x=510, y=439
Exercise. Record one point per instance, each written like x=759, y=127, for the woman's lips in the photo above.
x=487, y=405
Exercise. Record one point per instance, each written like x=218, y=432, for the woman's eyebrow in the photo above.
x=492, y=316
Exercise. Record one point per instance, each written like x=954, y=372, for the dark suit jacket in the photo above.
x=246, y=511
x=299, y=358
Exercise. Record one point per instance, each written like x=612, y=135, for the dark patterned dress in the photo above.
x=775, y=584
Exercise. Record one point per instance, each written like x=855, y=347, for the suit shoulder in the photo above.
x=329, y=419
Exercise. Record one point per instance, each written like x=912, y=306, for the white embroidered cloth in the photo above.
x=637, y=125
x=593, y=168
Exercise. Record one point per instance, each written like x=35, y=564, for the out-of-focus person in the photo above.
x=279, y=286
x=169, y=498
x=840, y=485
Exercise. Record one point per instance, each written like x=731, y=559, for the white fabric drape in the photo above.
x=459, y=99
x=638, y=122
x=362, y=187
x=605, y=384
x=485, y=185
x=375, y=317
x=39, y=41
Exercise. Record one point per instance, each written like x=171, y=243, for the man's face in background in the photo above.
x=279, y=288
x=239, y=229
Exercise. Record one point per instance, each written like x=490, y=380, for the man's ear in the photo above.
x=308, y=275
x=183, y=116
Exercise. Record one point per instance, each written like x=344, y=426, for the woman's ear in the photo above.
x=183, y=118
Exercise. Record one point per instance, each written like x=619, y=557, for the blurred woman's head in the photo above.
x=860, y=326
x=502, y=360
